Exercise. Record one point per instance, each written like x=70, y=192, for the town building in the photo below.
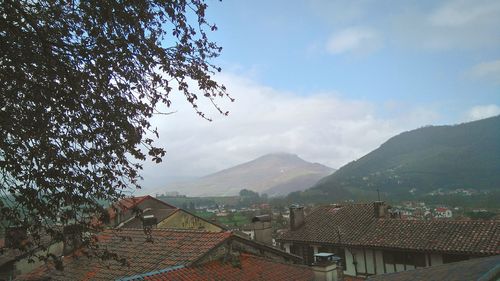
x=131, y=213
x=260, y=229
x=442, y=212
x=133, y=255
x=370, y=240
x=15, y=262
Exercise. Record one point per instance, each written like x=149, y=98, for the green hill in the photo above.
x=421, y=161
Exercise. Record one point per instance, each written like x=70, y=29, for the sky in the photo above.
x=332, y=80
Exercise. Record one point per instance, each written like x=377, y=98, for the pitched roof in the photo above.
x=169, y=248
x=131, y=202
x=162, y=214
x=355, y=225
x=474, y=269
x=247, y=267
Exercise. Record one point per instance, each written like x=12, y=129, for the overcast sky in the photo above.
x=332, y=80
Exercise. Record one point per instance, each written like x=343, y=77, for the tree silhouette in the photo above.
x=80, y=81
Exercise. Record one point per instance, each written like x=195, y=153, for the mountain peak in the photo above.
x=274, y=173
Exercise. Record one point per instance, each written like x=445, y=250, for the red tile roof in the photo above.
x=130, y=202
x=169, y=248
x=248, y=268
x=355, y=225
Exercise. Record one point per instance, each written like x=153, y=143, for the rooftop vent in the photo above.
x=261, y=218
x=149, y=221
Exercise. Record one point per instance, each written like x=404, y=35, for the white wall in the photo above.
x=287, y=247
x=349, y=270
x=436, y=259
x=380, y=261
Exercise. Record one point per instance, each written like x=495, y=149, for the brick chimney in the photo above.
x=379, y=209
x=296, y=217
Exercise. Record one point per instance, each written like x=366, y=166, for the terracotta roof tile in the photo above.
x=169, y=248
x=355, y=225
x=130, y=202
x=249, y=268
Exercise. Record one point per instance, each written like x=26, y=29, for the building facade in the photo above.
x=370, y=240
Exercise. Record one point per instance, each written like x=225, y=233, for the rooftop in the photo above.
x=246, y=267
x=131, y=202
x=356, y=225
x=168, y=248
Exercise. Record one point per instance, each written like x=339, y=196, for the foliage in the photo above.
x=249, y=197
x=463, y=156
x=486, y=215
x=80, y=81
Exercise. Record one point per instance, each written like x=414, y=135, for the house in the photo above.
x=128, y=208
x=15, y=262
x=370, y=240
x=442, y=212
x=260, y=229
x=165, y=215
x=139, y=255
x=484, y=269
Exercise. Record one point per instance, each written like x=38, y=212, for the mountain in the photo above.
x=274, y=174
x=421, y=161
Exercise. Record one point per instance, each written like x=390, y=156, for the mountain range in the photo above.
x=464, y=156
x=274, y=174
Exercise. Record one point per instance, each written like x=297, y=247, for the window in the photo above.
x=393, y=257
x=304, y=251
x=419, y=259
x=447, y=258
x=400, y=257
x=388, y=257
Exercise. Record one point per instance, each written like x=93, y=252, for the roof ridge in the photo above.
x=151, y=273
x=247, y=255
x=170, y=230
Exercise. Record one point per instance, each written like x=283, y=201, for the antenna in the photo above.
x=378, y=194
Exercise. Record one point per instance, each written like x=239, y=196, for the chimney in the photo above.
x=379, y=209
x=15, y=237
x=149, y=221
x=296, y=217
x=262, y=229
x=326, y=267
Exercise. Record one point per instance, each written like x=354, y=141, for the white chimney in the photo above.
x=326, y=267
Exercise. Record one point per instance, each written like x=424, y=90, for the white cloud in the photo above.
x=487, y=70
x=482, y=111
x=434, y=25
x=448, y=25
x=460, y=13
x=355, y=40
x=321, y=127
